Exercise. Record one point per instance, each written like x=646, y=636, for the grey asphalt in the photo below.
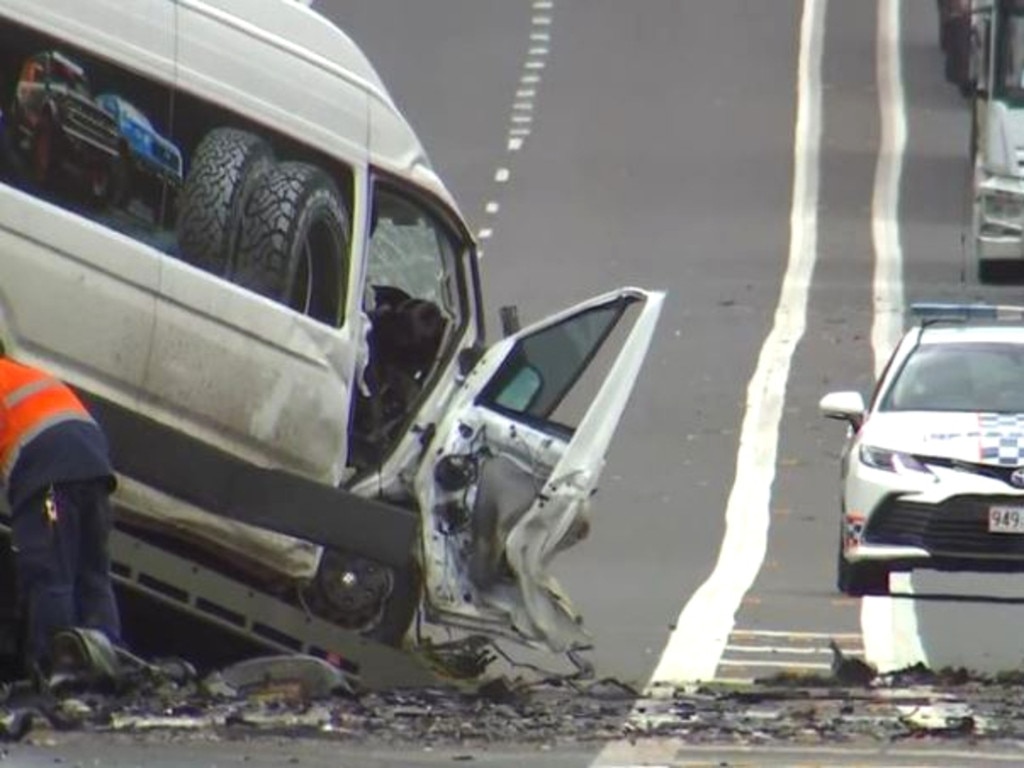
x=661, y=156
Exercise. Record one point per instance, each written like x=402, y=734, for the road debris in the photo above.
x=299, y=696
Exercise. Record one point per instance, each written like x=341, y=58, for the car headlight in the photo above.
x=894, y=461
x=1002, y=207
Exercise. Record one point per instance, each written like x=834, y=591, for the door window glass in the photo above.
x=545, y=368
x=416, y=301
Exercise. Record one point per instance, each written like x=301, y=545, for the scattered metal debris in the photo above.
x=301, y=696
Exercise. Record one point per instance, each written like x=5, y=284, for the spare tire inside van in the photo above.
x=294, y=240
x=225, y=167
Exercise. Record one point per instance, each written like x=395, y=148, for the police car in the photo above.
x=932, y=473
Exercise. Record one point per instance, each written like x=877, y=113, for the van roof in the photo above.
x=296, y=22
x=394, y=145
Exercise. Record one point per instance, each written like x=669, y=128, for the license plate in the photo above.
x=1006, y=520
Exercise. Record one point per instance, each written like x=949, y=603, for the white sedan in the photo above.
x=932, y=473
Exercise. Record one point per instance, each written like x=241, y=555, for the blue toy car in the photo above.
x=152, y=154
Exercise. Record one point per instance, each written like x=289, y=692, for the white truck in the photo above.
x=313, y=442
x=995, y=78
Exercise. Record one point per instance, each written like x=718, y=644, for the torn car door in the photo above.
x=508, y=477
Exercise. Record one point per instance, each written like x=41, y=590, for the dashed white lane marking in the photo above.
x=890, y=626
x=523, y=108
x=761, y=653
x=701, y=633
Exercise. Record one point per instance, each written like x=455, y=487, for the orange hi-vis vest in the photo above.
x=31, y=401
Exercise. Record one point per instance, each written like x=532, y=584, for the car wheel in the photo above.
x=862, y=579
x=294, y=241
x=45, y=152
x=365, y=596
x=225, y=167
x=120, y=173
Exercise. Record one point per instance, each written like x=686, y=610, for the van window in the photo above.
x=416, y=299
x=183, y=175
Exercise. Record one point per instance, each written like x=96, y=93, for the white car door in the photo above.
x=509, y=472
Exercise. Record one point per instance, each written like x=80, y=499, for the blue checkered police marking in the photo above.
x=1002, y=438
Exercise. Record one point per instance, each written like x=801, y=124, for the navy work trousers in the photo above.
x=63, y=564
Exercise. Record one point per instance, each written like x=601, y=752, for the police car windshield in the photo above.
x=981, y=377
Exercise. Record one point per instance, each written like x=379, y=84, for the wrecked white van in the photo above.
x=218, y=227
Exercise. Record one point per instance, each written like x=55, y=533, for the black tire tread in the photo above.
x=274, y=221
x=225, y=166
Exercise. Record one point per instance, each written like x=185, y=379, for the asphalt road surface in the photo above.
x=595, y=143
x=661, y=153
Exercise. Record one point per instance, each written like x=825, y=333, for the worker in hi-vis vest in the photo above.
x=58, y=477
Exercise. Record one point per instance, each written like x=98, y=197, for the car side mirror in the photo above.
x=845, y=406
x=468, y=358
x=509, y=320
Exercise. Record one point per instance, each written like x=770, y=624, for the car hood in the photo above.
x=986, y=438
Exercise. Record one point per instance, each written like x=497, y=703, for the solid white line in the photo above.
x=782, y=650
x=775, y=664
x=696, y=644
x=806, y=635
x=891, y=638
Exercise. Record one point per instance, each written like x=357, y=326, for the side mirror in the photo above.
x=468, y=358
x=509, y=320
x=845, y=406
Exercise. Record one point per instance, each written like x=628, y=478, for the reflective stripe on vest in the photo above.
x=32, y=403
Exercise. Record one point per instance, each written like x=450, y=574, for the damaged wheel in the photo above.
x=365, y=596
x=225, y=167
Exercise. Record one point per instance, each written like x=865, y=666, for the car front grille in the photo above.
x=957, y=527
x=92, y=123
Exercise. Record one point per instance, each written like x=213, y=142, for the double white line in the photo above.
x=695, y=648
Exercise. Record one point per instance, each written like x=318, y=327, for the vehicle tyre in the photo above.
x=225, y=167
x=862, y=579
x=988, y=271
x=120, y=190
x=365, y=596
x=294, y=240
x=45, y=153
